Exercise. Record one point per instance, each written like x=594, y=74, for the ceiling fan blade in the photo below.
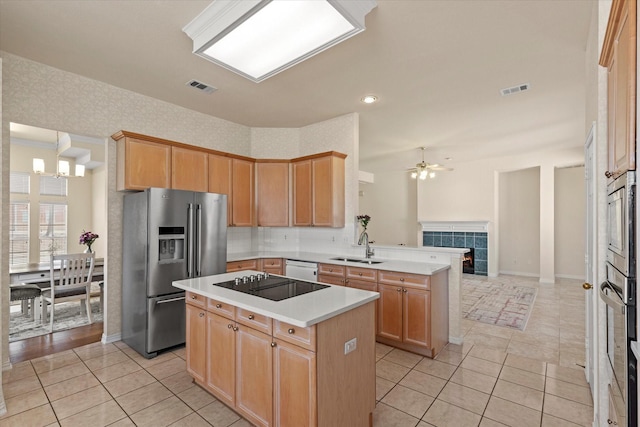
x=439, y=168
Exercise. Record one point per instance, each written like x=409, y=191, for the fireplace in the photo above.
x=468, y=265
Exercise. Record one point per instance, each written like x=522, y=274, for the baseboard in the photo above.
x=6, y=365
x=569, y=276
x=517, y=273
x=106, y=339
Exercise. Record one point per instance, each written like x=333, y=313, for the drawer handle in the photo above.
x=193, y=297
x=291, y=331
x=331, y=270
x=251, y=317
x=360, y=274
x=201, y=314
x=398, y=290
x=273, y=344
x=402, y=279
x=218, y=305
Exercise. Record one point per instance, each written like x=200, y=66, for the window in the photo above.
x=52, y=186
x=18, y=233
x=53, y=229
x=19, y=182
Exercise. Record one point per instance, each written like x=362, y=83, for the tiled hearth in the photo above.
x=460, y=234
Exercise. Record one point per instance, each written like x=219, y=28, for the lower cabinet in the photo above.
x=294, y=379
x=272, y=266
x=249, y=264
x=196, y=341
x=220, y=358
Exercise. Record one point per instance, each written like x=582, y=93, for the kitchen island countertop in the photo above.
x=303, y=310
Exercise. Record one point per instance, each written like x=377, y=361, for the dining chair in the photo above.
x=70, y=280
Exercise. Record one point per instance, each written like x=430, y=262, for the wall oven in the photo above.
x=619, y=293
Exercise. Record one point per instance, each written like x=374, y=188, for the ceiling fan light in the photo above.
x=414, y=174
x=423, y=174
x=432, y=174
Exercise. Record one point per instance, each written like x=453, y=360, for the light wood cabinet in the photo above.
x=273, y=193
x=331, y=274
x=619, y=57
x=141, y=164
x=272, y=266
x=221, y=358
x=243, y=193
x=220, y=179
x=413, y=311
x=196, y=342
x=318, y=190
x=189, y=169
x=249, y=264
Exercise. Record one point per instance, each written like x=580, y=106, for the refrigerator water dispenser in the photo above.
x=171, y=244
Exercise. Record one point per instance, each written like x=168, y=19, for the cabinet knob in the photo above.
x=251, y=317
x=608, y=174
x=346, y=281
x=273, y=344
x=193, y=297
x=235, y=329
x=399, y=289
x=404, y=290
x=201, y=314
x=402, y=279
x=331, y=270
x=218, y=305
x=229, y=326
x=360, y=274
x=291, y=331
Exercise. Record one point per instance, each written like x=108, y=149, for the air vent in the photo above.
x=515, y=89
x=201, y=86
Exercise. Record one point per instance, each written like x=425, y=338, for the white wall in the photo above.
x=519, y=226
x=570, y=222
x=99, y=211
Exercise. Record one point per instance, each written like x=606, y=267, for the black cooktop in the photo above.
x=274, y=288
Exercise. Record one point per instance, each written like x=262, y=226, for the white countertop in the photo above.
x=386, y=264
x=303, y=310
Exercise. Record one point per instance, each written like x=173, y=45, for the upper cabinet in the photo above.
x=220, y=179
x=273, y=193
x=243, y=192
x=318, y=190
x=619, y=57
x=189, y=169
x=142, y=164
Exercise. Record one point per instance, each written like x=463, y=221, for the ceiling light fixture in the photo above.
x=369, y=99
x=424, y=170
x=62, y=166
x=260, y=38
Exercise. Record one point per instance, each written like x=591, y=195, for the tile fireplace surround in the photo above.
x=460, y=234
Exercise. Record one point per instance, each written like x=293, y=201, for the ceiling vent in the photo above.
x=515, y=89
x=201, y=86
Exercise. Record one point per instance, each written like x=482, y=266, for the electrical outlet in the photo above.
x=350, y=345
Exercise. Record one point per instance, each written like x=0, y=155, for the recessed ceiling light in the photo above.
x=369, y=99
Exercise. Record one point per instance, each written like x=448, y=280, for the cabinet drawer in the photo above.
x=221, y=308
x=272, y=263
x=361, y=284
x=303, y=337
x=331, y=270
x=273, y=270
x=395, y=278
x=367, y=274
x=253, y=320
x=250, y=264
x=332, y=280
x=195, y=299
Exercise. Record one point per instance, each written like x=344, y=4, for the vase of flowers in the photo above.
x=363, y=220
x=87, y=238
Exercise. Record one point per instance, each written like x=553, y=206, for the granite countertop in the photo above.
x=424, y=268
x=303, y=310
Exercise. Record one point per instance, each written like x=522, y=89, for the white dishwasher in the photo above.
x=302, y=270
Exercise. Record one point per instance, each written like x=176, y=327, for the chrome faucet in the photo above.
x=364, y=238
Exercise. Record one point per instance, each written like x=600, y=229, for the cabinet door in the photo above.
x=390, y=312
x=294, y=371
x=273, y=194
x=242, y=187
x=331, y=280
x=302, y=193
x=221, y=359
x=416, y=317
x=328, y=191
x=143, y=164
x=220, y=179
x=196, y=342
x=189, y=169
x=254, y=375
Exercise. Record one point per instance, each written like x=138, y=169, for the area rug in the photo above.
x=68, y=315
x=497, y=303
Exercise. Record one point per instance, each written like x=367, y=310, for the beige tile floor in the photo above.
x=498, y=377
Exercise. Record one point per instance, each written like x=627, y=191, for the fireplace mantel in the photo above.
x=461, y=226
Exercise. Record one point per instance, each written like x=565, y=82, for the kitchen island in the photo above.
x=308, y=360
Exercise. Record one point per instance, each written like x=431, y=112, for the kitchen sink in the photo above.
x=362, y=261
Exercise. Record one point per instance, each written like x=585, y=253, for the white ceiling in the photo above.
x=436, y=66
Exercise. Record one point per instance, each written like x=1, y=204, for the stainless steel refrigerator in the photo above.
x=167, y=235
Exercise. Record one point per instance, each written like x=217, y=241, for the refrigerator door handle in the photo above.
x=198, y=236
x=190, y=236
x=164, y=301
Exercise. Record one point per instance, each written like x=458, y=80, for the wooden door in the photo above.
x=189, y=169
x=302, y=193
x=390, y=312
x=273, y=194
x=143, y=164
x=220, y=179
x=294, y=377
x=254, y=375
x=242, y=188
x=221, y=358
x=196, y=342
x=416, y=325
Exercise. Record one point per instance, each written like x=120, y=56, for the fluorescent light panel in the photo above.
x=270, y=36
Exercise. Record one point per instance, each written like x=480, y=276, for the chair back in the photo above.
x=75, y=271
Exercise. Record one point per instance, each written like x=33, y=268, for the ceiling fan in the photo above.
x=424, y=169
